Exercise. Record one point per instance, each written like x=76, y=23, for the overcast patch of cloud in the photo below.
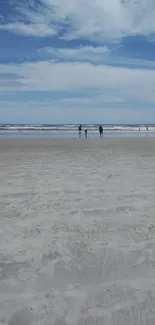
x=39, y=113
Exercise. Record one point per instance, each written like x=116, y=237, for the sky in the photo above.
x=77, y=61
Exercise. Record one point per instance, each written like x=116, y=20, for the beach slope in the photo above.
x=77, y=232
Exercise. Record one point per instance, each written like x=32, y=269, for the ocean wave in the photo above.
x=74, y=128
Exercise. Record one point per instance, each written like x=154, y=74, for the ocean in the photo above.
x=71, y=130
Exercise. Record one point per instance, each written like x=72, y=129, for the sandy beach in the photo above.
x=77, y=232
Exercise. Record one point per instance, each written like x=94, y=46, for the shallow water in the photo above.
x=72, y=134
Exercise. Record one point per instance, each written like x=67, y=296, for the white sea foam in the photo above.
x=73, y=128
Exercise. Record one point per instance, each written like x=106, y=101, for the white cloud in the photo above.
x=88, y=19
x=84, y=53
x=30, y=29
x=106, y=81
x=100, y=54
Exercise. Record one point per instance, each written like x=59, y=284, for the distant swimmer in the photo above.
x=80, y=128
x=85, y=133
x=101, y=131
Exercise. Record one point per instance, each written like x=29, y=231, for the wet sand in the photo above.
x=77, y=232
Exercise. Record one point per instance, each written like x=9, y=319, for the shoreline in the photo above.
x=76, y=143
x=65, y=134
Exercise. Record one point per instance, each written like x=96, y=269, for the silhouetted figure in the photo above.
x=80, y=128
x=85, y=133
x=147, y=128
x=101, y=131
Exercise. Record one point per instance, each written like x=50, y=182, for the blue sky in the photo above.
x=77, y=61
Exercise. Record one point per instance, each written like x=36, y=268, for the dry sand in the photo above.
x=77, y=232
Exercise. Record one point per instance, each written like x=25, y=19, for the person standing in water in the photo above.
x=85, y=133
x=101, y=131
x=80, y=128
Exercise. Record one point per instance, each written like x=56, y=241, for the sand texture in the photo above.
x=77, y=232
